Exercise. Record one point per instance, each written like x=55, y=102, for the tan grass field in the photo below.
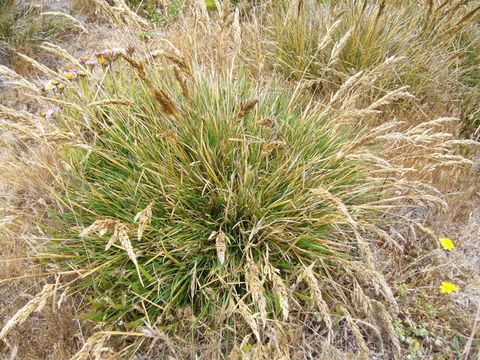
x=285, y=179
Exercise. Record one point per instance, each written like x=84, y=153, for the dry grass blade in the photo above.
x=36, y=304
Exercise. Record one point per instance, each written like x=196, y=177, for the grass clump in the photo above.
x=326, y=42
x=208, y=203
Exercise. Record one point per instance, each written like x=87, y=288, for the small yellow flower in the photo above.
x=69, y=75
x=43, y=113
x=447, y=243
x=447, y=287
x=101, y=60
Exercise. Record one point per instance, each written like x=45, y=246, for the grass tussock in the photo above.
x=235, y=207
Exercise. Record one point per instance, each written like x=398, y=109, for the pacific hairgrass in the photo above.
x=238, y=205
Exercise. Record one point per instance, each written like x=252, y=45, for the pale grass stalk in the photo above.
x=61, y=53
x=59, y=102
x=17, y=80
x=111, y=102
x=44, y=69
x=77, y=22
x=34, y=305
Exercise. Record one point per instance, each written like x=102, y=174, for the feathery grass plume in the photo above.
x=167, y=104
x=246, y=314
x=94, y=346
x=34, y=305
x=23, y=117
x=316, y=295
x=363, y=351
x=182, y=82
x=17, y=80
x=143, y=218
x=255, y=288
x=35, y=64
x=246, y=109
x=220, y=244
x=281, y=290
x=60, y=53
x=324, y=194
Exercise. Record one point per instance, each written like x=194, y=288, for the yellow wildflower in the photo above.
x=101, y=60
x=447, y=243
x=447, y=287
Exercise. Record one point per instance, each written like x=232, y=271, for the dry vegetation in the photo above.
x=198, y=179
